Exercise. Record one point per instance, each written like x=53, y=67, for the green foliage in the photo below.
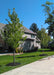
x=51, y=44
x=43, y=36
x=50, y=17
x=34, y=27
x=13, y=31
x=48, y=3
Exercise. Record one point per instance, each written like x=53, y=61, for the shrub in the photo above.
x=19, y=50
x=51, y=45
x=32, y=50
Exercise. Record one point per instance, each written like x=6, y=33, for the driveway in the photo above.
x=42, y=67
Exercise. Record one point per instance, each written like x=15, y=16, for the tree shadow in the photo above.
x=13, y=64
x=0, y=65
x=26, y=56
x=45, y=50
x=43, y=54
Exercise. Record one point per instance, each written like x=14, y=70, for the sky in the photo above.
x=29, y=11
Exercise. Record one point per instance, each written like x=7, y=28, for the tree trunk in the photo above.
x=14, y=56
x=53, y=37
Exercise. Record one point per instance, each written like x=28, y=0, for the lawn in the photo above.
x=23, y=59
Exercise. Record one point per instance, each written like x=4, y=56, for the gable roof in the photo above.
x=28, y=31
x=25, y=29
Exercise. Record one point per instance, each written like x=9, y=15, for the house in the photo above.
x=30, y=42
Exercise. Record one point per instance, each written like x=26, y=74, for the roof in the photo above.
x=28, y=31
x=25, y=29
x=2, y=25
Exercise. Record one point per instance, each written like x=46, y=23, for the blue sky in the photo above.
x=29, y=11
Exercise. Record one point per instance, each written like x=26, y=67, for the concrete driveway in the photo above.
x=42, y=67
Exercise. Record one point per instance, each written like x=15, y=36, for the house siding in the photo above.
x=37, y=44
x=30, y=44
x=27, y=45
x=27, y=35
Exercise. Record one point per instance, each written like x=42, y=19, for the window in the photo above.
x=37, y=41
x=32, y=36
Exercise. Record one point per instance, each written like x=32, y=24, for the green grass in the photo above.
x=26, y=58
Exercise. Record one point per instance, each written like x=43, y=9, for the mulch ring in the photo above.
x=0, y=65
x=43, y=55
x=13, y=64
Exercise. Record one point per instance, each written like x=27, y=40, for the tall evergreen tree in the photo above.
x=34, y=27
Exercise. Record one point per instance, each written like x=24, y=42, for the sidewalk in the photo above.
x=42, y=67
x=1, y=54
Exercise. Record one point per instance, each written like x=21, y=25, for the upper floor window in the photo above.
x=32, y=36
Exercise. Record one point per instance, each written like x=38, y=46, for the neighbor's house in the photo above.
x=30, y=42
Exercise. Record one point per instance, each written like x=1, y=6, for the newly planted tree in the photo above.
x=13, y=32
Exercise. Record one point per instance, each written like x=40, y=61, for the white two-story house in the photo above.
x=30, y=42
